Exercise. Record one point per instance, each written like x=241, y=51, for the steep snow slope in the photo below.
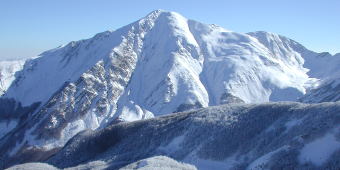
x=238, y=67
x=326, y=68
x=233, y=136
x=158, y=65
x=323, y=69
x=81, y=84
x=78, y=85
x=7, y=71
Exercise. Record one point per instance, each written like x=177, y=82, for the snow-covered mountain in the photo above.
x=161, y=64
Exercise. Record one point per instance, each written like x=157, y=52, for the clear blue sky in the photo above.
x=30, y=27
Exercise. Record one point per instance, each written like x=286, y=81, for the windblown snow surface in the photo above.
x=159, y=65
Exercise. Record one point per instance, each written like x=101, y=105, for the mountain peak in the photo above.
x=157, y=11
x=160, y=64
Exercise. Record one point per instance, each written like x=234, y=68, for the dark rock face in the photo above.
x=186, y=107
x=229, y=98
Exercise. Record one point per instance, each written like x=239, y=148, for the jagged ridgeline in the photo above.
x=159, y=65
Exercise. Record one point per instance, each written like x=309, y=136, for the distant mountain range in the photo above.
x=159, y=65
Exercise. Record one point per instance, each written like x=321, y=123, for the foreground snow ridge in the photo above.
x=153, y=163
x=233, y=136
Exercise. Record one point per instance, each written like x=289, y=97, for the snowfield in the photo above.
x=162, y=64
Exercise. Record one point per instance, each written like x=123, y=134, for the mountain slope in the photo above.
x=326, y=68
x=234, y=136
x=323, y=68
x=161, y=64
